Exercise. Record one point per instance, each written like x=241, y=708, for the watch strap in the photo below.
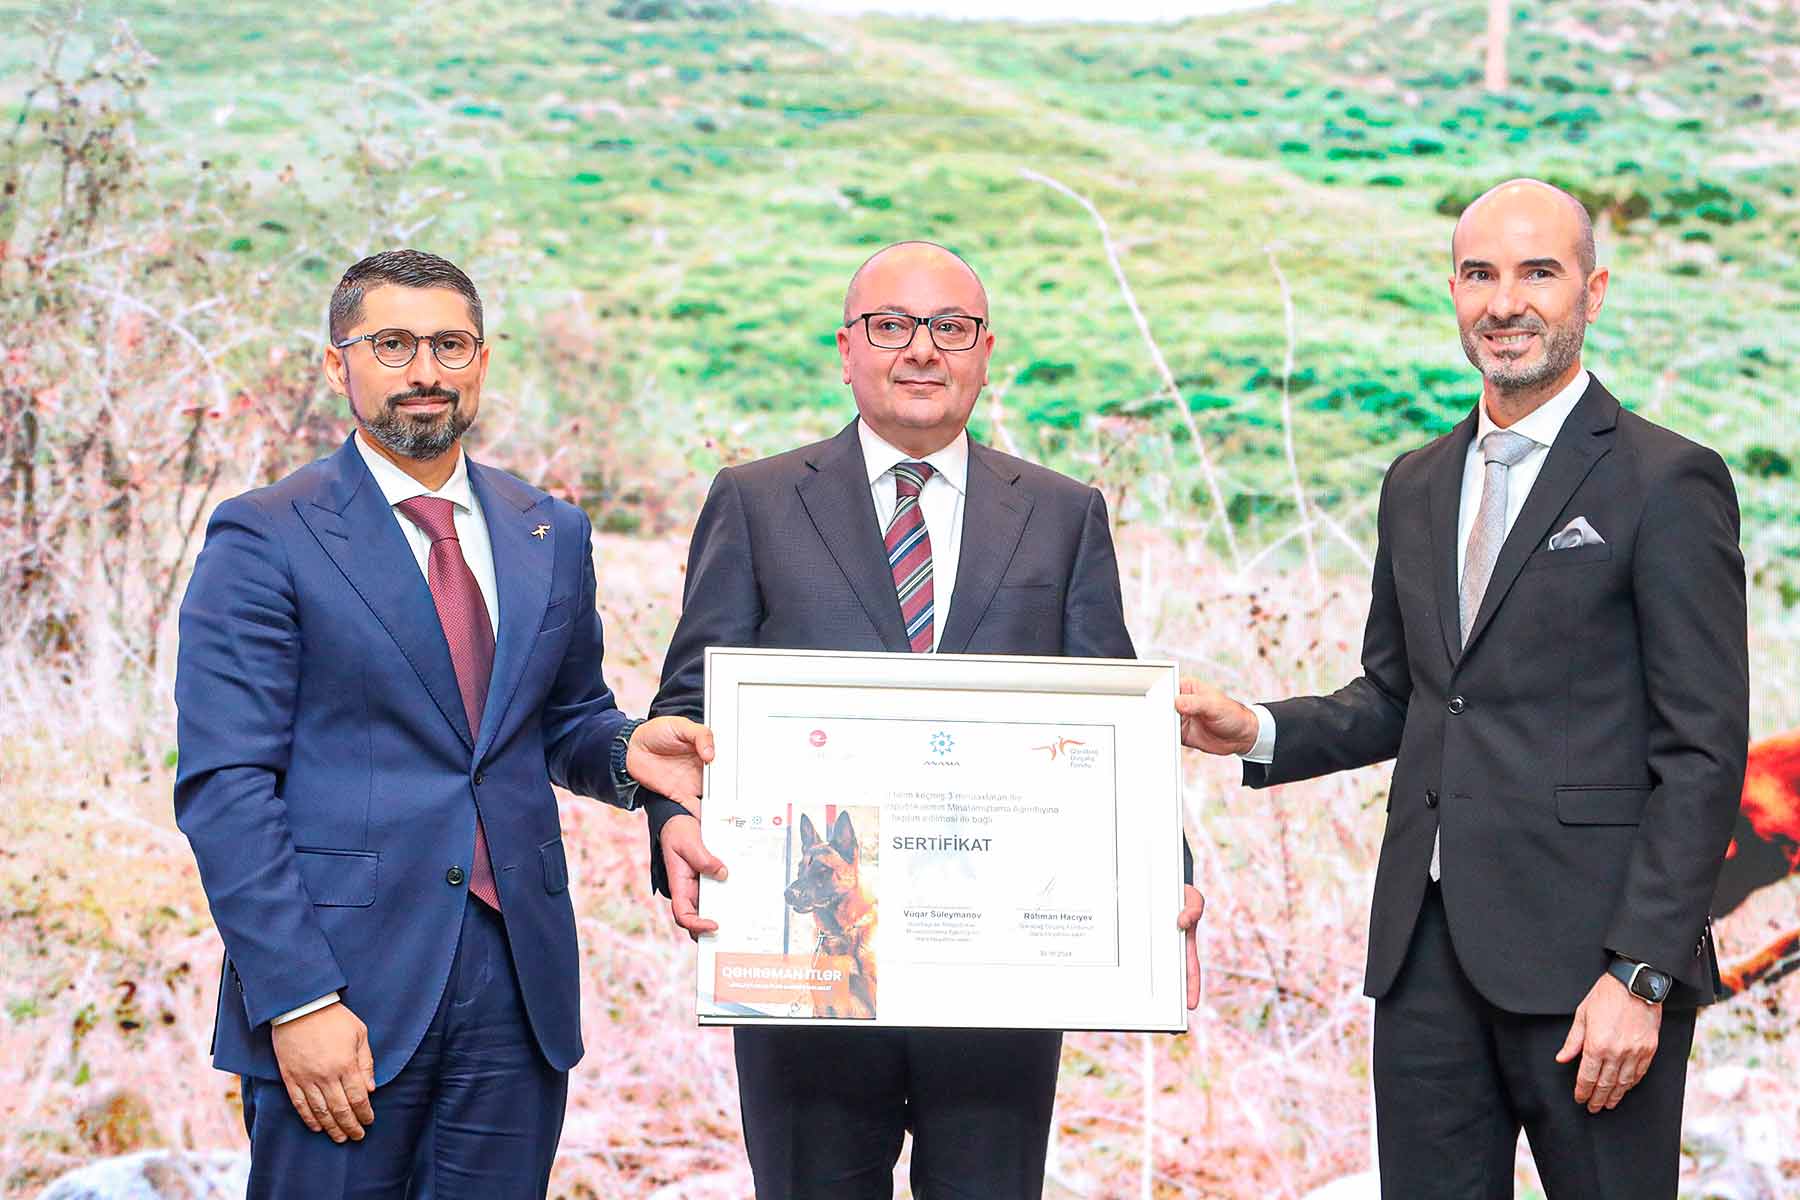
x=1641, y=979
x=624, y=786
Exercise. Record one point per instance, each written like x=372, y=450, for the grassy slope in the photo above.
x=703, y=188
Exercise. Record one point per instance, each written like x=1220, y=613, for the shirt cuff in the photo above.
x=1263, y=752
x=293, y=1014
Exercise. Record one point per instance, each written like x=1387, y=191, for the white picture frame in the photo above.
x=948, y=840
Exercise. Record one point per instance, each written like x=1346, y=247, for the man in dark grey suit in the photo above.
x=1556, y=654
x=900, y=533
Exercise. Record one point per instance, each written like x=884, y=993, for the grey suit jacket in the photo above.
x=1582, y=756
x=788, y=554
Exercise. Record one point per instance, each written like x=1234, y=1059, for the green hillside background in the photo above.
x=661, y=201
x=687, y=197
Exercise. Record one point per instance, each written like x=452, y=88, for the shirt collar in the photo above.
x=397, y=486
x=1544, y=422
x=879, y=457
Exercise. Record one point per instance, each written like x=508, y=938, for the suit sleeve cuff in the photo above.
x=659, y=811
x=1264, y=750
x=294, y=1014
x=625, y=788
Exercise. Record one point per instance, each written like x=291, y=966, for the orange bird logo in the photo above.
x=1058, y=746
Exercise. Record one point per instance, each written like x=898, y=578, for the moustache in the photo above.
x=1510, y=325
x=424, y=393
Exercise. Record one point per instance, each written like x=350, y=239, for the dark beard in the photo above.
x=417, y=437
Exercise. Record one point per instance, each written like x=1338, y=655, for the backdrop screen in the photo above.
x=1217, y=251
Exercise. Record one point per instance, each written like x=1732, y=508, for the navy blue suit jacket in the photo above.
x=328, y=780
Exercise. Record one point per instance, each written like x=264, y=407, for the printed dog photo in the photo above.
x=835, y=882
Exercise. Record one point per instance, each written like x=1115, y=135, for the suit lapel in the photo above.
x=362, y=535
x=1445, y=487
x=522, y=574
x=994, y=516
x=837, y=498
x=1585, y=438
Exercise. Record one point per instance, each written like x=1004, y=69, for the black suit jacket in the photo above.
x=1583, y=755
x=788, y=554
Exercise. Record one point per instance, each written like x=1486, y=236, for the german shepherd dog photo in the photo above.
x=828, y=885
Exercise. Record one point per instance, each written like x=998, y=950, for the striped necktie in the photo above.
x=909, y=554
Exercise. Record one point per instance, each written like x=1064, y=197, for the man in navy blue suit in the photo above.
x=386, y=660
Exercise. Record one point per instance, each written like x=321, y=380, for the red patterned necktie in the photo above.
x=464, y=616
x=909, y=554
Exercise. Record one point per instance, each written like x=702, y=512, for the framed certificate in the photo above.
x=942, y=840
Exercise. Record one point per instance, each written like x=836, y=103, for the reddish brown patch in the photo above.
x=1772, y=791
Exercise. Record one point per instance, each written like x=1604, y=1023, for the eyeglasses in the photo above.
x=896, y=330
x=454, y=348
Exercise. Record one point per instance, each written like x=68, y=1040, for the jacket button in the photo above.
x=1456, y=705
x=479, y=778
x=1430, y=799
x=454, y=876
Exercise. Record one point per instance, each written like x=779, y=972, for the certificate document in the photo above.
x=942, y=840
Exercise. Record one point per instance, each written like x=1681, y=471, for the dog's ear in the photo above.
x=843, y=837
x=809, y=833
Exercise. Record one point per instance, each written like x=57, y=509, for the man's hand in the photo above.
x=1193, y=906
x=1214, y=722
x=1615, y=1034
x=328, y=1069
x=666, y=755
x=685, y=859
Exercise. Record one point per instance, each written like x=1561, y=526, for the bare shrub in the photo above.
x=137, y=374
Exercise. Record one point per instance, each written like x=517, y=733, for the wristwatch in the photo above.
x=1641, y=979
x=624, y=786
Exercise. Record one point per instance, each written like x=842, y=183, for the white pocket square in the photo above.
x=1576, y=533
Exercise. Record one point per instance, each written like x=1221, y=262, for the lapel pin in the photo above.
x=540, y=531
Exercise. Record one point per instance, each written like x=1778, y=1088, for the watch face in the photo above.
x=1652, y=986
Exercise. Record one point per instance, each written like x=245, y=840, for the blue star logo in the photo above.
x=942, y=743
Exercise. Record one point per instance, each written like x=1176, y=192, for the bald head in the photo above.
x=1544, y=204
x=1526, y=287
x=901, y=258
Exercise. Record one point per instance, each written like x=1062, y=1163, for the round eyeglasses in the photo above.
x=896, y=330
x=454, y=348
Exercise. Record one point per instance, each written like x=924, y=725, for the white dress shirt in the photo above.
x=471, y=530
x=940, y=501
x=1541, y=425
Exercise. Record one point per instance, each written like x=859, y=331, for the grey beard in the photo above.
x=410, y=437
x=1562, y=347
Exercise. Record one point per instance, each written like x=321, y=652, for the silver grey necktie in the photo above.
x=1501, y=450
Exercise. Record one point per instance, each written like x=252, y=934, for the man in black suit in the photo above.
x=1556, y=652
x=790, y=552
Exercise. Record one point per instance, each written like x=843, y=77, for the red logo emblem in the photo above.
x=816, y=737
x=1059, y=746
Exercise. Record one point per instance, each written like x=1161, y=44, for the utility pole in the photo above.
x=1499, y=18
